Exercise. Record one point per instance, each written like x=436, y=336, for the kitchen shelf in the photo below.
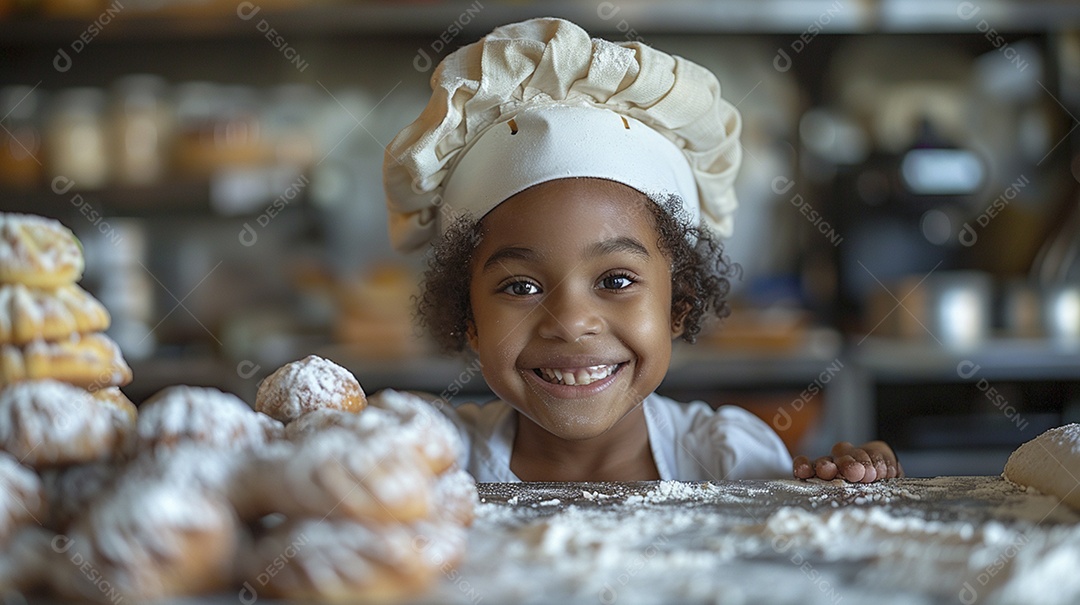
x=997, y=359
x=178, y=197
x=629, y=17
x=702, y=366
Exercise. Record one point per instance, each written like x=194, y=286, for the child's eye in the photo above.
x=616, y=282
x=521, y=288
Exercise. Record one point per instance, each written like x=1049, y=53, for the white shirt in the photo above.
x=689, y=442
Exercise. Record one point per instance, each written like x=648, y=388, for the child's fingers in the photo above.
x=881, y=450
x=842, y=448
x=826, y=468
x=881, y=469
x=802, y=468
x=890, y=467
x=851, y=469
x=870, y=471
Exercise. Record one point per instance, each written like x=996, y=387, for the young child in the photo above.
x=573, y=192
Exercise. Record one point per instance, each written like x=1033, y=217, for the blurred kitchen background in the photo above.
x=909, y=227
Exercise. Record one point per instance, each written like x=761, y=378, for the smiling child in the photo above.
x=573, y=192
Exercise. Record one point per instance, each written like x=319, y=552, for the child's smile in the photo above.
x=577, y=376
x=571, y=301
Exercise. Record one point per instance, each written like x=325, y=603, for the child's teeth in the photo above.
x=577, y=377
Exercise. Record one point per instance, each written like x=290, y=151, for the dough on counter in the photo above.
x=38, y=252
x=309, y=384
x=1050, y=463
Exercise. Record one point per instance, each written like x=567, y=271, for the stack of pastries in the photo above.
x=317, y=493
x=50, y=328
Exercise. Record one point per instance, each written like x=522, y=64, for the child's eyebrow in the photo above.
x=507, y=253
x=616, y=245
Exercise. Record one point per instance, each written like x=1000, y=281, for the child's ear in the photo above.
x=678, y=321
x=470, y=335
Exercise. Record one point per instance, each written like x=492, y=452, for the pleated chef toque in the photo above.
x=541, y=100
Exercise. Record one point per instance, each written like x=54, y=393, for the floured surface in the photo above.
x=941, y=540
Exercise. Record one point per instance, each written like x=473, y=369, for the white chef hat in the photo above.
x=539, y=100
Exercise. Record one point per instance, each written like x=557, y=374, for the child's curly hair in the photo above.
x=701, y=275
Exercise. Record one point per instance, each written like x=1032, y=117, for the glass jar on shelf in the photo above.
x=76, y=145
x=20, y=137
x=217, y=128
x=141, y=125
x=290, y=122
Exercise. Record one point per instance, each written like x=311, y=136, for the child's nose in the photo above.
x=569, y=316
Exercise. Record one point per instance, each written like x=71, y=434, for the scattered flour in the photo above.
x=948, y=539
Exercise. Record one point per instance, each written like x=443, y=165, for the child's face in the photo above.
x=568, y=280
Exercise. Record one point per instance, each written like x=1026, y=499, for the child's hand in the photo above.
x=864, y=464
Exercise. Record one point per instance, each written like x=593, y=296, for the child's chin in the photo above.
x=576, y=431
